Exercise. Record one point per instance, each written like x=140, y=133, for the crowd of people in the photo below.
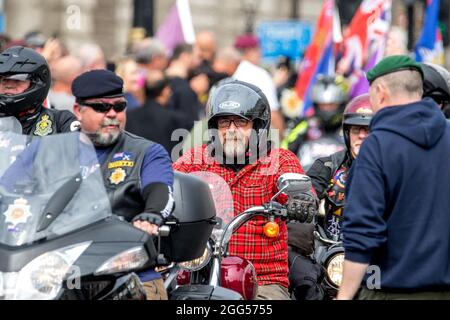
x=378, y=161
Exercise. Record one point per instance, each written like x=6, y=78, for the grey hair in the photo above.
x=145, y=50
x=88, y=52
x=404, y=82
x=229, y=54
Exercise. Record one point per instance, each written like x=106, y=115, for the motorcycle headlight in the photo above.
x=335, y=267
x=199, y=263
x=129, y=260
x=42, y=278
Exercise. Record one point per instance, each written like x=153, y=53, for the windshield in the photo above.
x=48, y=188
x=221, y=194
x=12, y=142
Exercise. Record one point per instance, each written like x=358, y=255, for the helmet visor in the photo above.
x=357, y=120
x=16, y=77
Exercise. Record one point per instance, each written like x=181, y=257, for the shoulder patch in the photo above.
x=75, y=125
x=44, y=126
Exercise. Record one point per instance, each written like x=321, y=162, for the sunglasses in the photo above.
x=103, y=107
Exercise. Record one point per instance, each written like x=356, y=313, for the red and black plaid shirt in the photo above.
x=253, y=185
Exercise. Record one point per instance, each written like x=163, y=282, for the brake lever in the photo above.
x=276, y=209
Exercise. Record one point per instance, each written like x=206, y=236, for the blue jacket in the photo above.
x=398, y=198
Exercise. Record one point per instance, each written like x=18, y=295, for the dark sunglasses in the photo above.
x=105, y=107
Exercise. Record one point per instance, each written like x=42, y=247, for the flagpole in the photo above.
x=186, y=21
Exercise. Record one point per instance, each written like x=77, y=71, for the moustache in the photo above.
x=233, y=136
x=110, y=122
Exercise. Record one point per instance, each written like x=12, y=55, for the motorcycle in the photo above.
x=58, y=237
x=218, y=275
x=330, y=254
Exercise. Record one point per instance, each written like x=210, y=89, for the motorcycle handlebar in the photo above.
x=238, y=221
x=328, y=241
x=164, y=231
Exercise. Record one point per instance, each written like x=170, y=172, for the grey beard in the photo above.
x=234, y=149
x=100, y=139
x=103, y=140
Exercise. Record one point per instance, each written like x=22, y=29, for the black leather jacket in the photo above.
x=45, y=121
x=328, y=176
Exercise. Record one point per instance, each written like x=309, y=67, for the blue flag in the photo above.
x=429, y=46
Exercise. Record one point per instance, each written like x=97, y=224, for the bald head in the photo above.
x=91, y=56
x=207, y=44
x=227, y=61
x=66, y=69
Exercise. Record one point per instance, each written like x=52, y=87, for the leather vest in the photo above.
x=335, y=198
x=122, y=175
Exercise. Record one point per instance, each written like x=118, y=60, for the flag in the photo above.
x=177, y=27
x=317, y=57
x=364, y=42
x=2, y=16
x=429, y=47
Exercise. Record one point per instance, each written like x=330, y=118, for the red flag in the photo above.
x=322, y=38
x=364, y=43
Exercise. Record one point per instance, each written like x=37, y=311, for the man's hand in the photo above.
x=146, y=226
x=352, y=276
x=302, y=208
x=52, y=50
x=148, y=222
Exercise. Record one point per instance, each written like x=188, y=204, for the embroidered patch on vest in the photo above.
x=341, y=178
x=119, y=164
x=44, y=126
x=125, y=156
x=118, y=176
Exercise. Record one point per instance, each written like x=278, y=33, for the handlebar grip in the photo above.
x=164, y=231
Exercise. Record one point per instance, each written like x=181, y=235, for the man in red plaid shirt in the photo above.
x=239, y=151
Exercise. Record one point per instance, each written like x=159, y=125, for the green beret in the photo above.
x=393, y=64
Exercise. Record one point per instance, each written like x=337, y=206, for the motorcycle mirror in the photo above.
x=294, y=183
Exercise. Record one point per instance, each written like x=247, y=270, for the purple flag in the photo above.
x=177, y=27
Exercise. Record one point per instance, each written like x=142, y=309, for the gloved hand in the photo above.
x=148, y=222
x=302, y=207
x=149, y=217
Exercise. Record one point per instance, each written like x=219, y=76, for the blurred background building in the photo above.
x=114, y=23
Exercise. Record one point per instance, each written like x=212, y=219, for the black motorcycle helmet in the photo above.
x=234, y=97
x=358, y=112
x=328, y=90
x=24, y=62
x=436, y=85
